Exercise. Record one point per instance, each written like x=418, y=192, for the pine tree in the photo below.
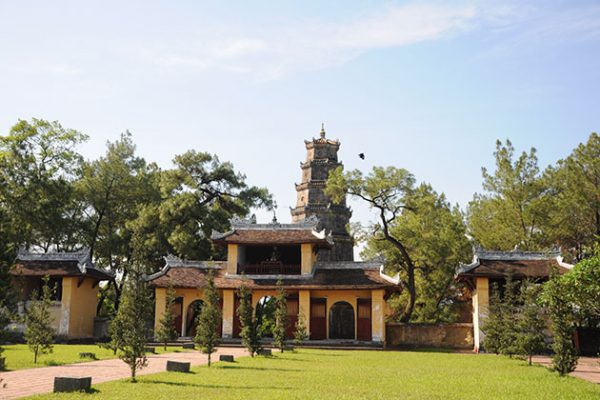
x=530, y=339
x=280, y=317
x=556, y=297
x=207, y=337
x=300, y=331
x=493, y=325
x=130, y=322
x=39, y=333
x=250, y=332
x=166, y=331
x=510, y=318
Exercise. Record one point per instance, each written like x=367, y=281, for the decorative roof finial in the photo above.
x=322, y=130
x=274, y=221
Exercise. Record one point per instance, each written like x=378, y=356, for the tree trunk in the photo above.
x=209, y=359
x=133, y=373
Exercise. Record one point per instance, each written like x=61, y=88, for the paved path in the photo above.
x=588, y=368
x=28, y=382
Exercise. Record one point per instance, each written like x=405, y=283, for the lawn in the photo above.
x=19, y=356
x=322, y=374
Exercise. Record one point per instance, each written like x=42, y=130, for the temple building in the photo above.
x=313, y=256
x=493, y=267
x=74, y=281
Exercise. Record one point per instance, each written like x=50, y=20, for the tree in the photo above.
x=201, y=194
x=531, y=325
x=387, y=191
x=557, y=298
x=250, y=332
x=300, y=332
x=130, y=322
x=502, y=327
x=280, y=328
x=166, y=331
x=434, y=234
x=38, y=164
x=513, y=210
x=207, y=335
x=582, y=284
x=494, y=325
x=574, y=218
x=39, y=333
x=113, y=189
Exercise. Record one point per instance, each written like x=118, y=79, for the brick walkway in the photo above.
x=588, y=368
x=28, y=382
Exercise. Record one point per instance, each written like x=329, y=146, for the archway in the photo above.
x=193, y=311
x=341, y=321
x=265, y=315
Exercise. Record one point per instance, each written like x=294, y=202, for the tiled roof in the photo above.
x=58, y=264
x=342, y=275
x=518, y=263
x=249, y=232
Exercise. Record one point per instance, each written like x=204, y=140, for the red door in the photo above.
x=363, y=323
x=318, y=319
x=292, y=317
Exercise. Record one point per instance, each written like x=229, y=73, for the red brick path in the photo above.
x=588, y=368
x=28, y=382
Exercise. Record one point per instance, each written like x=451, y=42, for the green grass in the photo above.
x=321, y=374
x=19, y=356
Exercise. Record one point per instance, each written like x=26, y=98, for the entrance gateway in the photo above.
x=339, y=298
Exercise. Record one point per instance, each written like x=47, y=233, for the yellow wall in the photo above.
x=481, y=300
x=80, y=304
x=378, y=315
x=228, y=312
x=308, y=258
x=232, y=258
x=160, y=301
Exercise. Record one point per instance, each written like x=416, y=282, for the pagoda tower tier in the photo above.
x=321, y=159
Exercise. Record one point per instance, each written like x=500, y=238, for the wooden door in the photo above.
x=292, y=317
x=318, y=319
x=363, y=323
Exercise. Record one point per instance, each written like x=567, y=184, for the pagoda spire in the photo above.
x=322, y=130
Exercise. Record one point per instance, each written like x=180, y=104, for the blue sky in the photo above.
x=428, y=86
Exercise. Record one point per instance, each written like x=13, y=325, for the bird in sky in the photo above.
x=361, y=156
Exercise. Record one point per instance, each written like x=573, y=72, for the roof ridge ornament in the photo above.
x=322, y=133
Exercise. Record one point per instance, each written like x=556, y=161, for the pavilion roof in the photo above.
x=249, y=232
x=326, y=275
x=520, y=264
x=60, y=264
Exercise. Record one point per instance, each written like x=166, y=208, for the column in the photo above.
x=65, y=306
x=304, y=306
x=228, y=312
x=378, y=315
x=232, y=258
x=481, y=300
x=160, y=295
x=307, y=257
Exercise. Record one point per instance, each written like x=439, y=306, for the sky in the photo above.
x=424, y=85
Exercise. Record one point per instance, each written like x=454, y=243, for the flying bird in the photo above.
x=362, y=156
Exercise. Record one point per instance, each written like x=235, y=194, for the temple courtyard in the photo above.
x=322, y=374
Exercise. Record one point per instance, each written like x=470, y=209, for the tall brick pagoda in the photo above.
x=321, y=159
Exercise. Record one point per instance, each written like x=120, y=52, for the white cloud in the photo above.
x=312, y=45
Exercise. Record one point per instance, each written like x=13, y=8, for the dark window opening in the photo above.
x=270, y=260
